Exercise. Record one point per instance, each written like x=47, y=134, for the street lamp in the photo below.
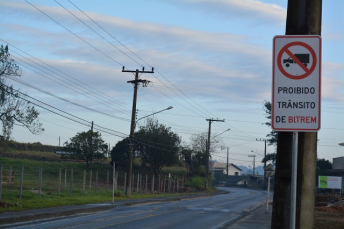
x=221, y=133
x=131, y=149
x=168, y=108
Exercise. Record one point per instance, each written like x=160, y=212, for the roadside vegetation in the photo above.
x=51, y=163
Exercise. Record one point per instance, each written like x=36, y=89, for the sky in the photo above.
x=212, y=59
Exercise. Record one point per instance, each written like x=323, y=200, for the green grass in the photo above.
x=31, y=200
x=49, y=195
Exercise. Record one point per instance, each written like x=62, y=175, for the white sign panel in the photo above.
x=296, y=84
x=330, y=182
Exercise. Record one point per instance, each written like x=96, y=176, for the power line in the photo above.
x=66, y=100
x=103, y=129
x=93, y=29
x=76, y=81
x=140, y=59
x=70, y=85
x=76, y=35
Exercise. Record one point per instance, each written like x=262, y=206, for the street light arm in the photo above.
x=221, y=133
x=168, y=108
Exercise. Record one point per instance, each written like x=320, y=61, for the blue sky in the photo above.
x=212, y=59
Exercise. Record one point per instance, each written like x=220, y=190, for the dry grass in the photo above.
x=329, y=217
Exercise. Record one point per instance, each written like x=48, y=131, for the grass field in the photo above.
x=97, y=192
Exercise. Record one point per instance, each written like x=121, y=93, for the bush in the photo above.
x=196, y=182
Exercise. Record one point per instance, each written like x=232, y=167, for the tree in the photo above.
x=87, y=146
x=270, y=157
x=157, y=145
x=198, y=147
x=14, y=107
x=323, y=164
x=198, y=144
x=187, y=156
x=322, y=167
x=119, y=152
x=273, y=135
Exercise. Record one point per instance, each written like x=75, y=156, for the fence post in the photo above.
x=169, y=183
x=40, y=173
x=146, y=183
x=59, y=183
x=178, y=184
x=125, y=182
x=21, y=182
x=0, y=180
x=90, y=179
x=71, y=181
x=165, y=184
x=96, y=182
x=116, y=181
x=138, y=183
x=65, y=181
x=174, y=184
x=113, y=182
x=183, y=184
x=10, y=176
x=84, y=181
x=153, y=184
x=159, y=188
x=107, y=181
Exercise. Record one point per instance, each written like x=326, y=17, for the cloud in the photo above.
x=248, y=10
x=198, y=55
x=218, y=61
x=332, y=82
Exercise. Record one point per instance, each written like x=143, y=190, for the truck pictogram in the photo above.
x=304, y=58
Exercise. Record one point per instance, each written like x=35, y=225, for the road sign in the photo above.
x=296, y=83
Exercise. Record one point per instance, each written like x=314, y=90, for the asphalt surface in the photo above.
x=256, y=218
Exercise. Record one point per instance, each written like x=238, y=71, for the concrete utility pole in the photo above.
x=132, y=125
x=91, y=139
x=303, y=18
x=208, y=152
x=227, y=165
x=254, y=163
x=264, y=183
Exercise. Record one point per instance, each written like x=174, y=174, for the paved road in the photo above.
x=209, y=212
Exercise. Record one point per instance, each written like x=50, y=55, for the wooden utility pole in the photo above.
x=208, y=152
x=264, y=183
x=133, y=123
x=303, y=18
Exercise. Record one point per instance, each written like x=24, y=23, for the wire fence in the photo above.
x=65, y=181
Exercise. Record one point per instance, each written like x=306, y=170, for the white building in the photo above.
x=233, y=170
x=338, y=163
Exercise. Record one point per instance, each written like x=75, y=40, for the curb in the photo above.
x=240, y=216
x=47, y=213
x=42, y=216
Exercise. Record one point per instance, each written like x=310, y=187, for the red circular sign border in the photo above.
x=299, y=77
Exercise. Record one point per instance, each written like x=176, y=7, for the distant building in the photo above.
x=63, y=153
x=255, y=181
x=337, y=168
x=338, y=163
x=233, y=170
